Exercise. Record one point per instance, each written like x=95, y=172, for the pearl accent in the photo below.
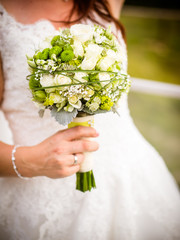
x=14, y=165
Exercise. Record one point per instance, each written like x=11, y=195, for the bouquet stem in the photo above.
x=85, y=180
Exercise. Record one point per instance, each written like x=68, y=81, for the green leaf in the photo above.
x=63, y=117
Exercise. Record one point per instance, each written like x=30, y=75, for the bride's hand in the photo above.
x=54, y=156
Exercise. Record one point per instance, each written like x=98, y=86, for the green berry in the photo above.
x=39, y=95
x=67, y=55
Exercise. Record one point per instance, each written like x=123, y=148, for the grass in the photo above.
x=157, y=118
x=153, y=48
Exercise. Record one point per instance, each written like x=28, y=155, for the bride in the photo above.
x=136, y=196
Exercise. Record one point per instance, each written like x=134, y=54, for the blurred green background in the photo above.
x=153, y=53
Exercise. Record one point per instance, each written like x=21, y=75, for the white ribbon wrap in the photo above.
x=87, y=164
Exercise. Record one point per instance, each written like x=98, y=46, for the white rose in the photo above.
x=73, y=99
x=47, y=80
x=102, y=77
x=88, y=93
x=79, y=76
x=93, y=106
x=111, y=54
x=109, y=60
x=77, y=105
x=93, y=51
x=92, y=55
x=88, y=64
x=78, y=48
x=99, y=38
x=61, y=80
x=82, y=32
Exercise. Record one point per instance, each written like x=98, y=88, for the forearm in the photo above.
x=21, y=160
x=6, y=167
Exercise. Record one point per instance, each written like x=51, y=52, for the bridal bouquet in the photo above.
x=76, y=74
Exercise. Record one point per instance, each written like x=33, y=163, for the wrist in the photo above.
x=25, y=164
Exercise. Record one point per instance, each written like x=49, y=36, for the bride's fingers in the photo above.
x=82, y=146
x=74, y=159
x=72, y=170
x=79, y=132
x=77, y=159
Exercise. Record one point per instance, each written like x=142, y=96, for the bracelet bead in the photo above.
x=14, y=164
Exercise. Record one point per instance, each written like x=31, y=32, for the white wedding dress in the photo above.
x=136, y=196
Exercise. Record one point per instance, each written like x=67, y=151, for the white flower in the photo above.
x=82, y=32
x=102, y=77
x=77, y=105
x=69, y=108
x=88, y=93
x=93, y=106
x=99, y=38
x=92, y=55
x=107, y=61
x=88, y=64
x=79, y=76
x=47, y=80
x=78, y=48
x=93, y=51
x=61, y=80
x=111, y=54
x=73, y=99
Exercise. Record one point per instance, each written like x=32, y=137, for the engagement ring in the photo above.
x=75, y=159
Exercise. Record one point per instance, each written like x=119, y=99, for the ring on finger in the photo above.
x=75, y=159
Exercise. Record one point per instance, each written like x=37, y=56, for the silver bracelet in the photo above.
x=14, y=165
